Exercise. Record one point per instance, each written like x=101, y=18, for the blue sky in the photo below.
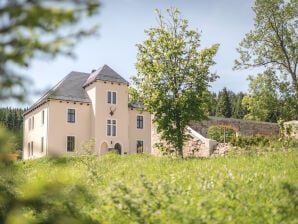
x=122, y=25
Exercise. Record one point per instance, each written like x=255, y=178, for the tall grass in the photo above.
x=145, y=189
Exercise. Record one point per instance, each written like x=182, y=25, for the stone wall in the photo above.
x=241, y=127
x=194, y=147
x=200, y=146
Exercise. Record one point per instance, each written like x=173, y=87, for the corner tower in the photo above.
x=108, y=92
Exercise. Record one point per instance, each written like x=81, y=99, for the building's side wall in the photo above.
x=102, y=111
x=136, y=134
x=91, y=91
x=32, y=141
x=59, y=128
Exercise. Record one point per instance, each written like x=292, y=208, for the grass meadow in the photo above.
x=247, y=188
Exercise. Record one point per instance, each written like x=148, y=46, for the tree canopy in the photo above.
x=269, y=99
x=173, y=76
x=35, y=28
x=273, y=43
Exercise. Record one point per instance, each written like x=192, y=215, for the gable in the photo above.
x=105, y=73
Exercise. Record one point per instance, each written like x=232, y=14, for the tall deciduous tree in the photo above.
x=268, y=98
x=173, y=76
x=273, y=43
x=31, y=28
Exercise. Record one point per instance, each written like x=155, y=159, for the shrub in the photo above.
x=217, y=133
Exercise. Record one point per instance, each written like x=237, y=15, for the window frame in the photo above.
x=140, y=122
x=32, y=148
x=71, y=115
x=41, y=144
x=112, y=97
x=73, y=143
x=29, y=149
x=140, y=145
x=111, y=128
x=42, y=117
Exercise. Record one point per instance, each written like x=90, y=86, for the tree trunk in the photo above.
x=295, y=84
x=179, y=136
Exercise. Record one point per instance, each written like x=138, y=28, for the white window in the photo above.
x=31, y=148
x=111, y=98
x=140, y=146
x=29, y=121
x=42, y=117
x=70, y=143
x=71, y=116
x=32, y=120
x=41, y=144
x=111, y=127
x=140, y=122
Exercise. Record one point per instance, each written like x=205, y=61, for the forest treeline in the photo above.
x=12, y=120
x=260, y=105
x=227, y=104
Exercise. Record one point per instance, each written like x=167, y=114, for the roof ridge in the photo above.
x=105, y=73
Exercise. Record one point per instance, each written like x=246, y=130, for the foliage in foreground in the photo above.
x=32, y=29
x=145, y=189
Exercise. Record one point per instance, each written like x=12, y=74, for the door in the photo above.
x=118, y=148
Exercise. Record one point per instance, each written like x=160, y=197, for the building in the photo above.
x=85, y=106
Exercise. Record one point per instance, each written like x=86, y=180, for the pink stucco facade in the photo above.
x=60, y=126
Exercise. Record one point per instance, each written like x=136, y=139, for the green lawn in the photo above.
x=146, y=189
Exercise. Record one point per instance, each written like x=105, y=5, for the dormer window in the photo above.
x=111, y=97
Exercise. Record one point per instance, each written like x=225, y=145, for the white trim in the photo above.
x=106, y=125
x=106, y=100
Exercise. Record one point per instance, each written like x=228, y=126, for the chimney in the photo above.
x=93, y=70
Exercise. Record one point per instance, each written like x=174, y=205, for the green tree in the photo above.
x=265, y=101
x=238, y=110
x=212, y=100
x=31, y=28
x=224, y=106
x=273, y=43
x=173, y=76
